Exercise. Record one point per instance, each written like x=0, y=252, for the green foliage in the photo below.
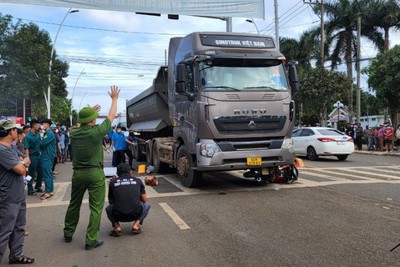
x=384, y=78
x=320, y=89
x=301, y=51
x=25, y=53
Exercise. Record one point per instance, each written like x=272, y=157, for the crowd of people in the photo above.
x=28, y=155
x=382, y=137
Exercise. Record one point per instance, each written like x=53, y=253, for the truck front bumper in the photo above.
x=236, y=159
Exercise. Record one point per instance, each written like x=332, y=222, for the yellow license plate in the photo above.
x=254, y=161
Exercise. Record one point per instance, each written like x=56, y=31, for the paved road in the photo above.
x=337, y=214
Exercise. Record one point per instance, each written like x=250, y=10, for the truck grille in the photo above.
x=249, y=123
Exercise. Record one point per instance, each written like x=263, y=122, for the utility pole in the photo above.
x=322, y=36
x=321, y=3
x=276, y=24
x=358, y=92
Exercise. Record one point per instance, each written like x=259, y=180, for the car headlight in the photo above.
x=288, y=144
x=208, y=150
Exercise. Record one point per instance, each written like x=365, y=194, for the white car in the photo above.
x=314, y=142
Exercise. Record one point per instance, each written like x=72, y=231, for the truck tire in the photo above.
x=139, y=155
x=187, y=176
x=159, y=166
x=149, y=159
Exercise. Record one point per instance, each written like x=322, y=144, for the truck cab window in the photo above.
x=240, y=75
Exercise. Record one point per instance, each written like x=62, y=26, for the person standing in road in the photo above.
x=32, y=149
x=87, y=146
x=381, y=137
x=12, y=196
x=47, y=152
x=119, y=145
x=61, y=141
x=127, y=197
x=369, y=136
x=397, y=134
x=388, y=134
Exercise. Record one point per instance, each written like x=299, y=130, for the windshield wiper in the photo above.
x=223, y=87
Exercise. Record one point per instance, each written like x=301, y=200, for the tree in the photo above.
x=340, y=29
x=25, y=50
x=386, y=15
x=320, y=89
x=384, y=78
x=302, y=51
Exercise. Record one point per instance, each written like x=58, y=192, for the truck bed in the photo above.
x=148, y=111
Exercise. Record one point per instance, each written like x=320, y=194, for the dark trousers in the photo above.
x=120, y=157
x=12, y=229
x=54, y=163
x=35, y=167
x=116, y=217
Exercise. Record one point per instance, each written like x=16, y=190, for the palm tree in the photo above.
x=386, y=15
x=341, y=27
x=302, y=51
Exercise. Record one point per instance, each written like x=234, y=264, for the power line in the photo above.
x=287, y=19
x=272, y=23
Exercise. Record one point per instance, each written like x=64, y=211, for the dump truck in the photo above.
x=224, y=102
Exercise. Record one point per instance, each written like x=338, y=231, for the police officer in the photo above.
x=87, y=146
x=32, y=149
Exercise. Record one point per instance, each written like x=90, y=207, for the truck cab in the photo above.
x=230, y=106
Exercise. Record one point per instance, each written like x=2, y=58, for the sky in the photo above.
x=105, y=48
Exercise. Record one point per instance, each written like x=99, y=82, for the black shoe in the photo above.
x=32, y=193
x=95, y=245
x=67, y=239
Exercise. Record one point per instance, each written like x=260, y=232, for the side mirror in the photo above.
x=293, y=77
x=180, y=78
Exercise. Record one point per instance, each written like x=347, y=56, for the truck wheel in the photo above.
x=159, y=166
x=188, y=176
x=149, y=159
x=139, y=155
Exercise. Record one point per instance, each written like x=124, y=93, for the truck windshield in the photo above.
x=241, y=76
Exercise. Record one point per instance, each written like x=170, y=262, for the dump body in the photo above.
x=224, y=103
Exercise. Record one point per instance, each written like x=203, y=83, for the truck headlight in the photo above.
x=208, y=150
x=288, y=144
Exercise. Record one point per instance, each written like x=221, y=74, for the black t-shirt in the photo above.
x=124, y=193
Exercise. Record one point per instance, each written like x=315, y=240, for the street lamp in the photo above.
x=47, y=98
x=73, y=93
x=255, y=25
x=338, y=105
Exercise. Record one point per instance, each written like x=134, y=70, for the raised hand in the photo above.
x=97, y=108
x=114, y=92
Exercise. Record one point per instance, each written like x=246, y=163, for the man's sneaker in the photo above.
x=67, y=239
x=95, y=245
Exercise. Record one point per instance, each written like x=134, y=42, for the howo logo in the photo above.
x=249, y=111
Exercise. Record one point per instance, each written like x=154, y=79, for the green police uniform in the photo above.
x=48, y=149
x=31, y=142
x=87, y=147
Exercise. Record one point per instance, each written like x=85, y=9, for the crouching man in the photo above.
x=127, y=198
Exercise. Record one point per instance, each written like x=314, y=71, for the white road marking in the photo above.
x=174, y=216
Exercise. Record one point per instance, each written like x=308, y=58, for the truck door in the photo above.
x=186, y=110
